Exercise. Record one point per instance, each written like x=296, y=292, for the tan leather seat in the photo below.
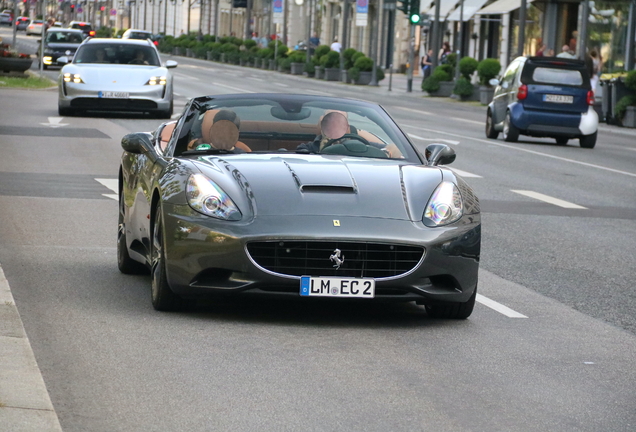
x=166, y=133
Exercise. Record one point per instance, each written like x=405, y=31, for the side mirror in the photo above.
x=170, y=64
x=439, y=154
x=63, y=60
x=494, y=82
x=138, y=143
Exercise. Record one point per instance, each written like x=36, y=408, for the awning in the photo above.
x=470, y=8
x=502, y=7
x=445, y=7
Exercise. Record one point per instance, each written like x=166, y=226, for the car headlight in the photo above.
x=157, y=80
x=206, y=197
x=444, y=207
x=68, y=77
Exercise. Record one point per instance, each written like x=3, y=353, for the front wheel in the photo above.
x=450, y=310
x=588, y=141
x=162, y=296
x=490, y=126
x=510, y=132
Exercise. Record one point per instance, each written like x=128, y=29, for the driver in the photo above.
x=333, y=125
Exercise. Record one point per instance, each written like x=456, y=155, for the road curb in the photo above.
x=25, y=405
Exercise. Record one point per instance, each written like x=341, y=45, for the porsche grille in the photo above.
x=298, y=258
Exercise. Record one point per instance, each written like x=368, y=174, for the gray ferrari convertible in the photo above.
x=292, y=195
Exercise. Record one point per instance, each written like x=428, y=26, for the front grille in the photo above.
x=113, y=104
x=300, y=258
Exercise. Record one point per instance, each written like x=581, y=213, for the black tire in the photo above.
x=66, y=112
x=490, y=127
x=510, y=132
x=562, y=140
x=448, y=310
x=162, y=296
x=588, y=141
x=167, y=114
x=126, y=264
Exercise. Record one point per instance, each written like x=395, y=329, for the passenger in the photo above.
x=220, y=133
x=100, y=56
x=139, y=59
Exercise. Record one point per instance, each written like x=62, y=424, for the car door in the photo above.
x=501, y=98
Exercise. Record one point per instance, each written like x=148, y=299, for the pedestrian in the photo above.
x=444, y=52
x=336, y=46
x=427, y=64
x=565, y=52
x=542, y=50
x=596, y=69
x=314, y=42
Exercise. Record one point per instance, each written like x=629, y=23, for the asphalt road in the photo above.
x=111, y=363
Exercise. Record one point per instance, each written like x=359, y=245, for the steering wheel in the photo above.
x=350, y=136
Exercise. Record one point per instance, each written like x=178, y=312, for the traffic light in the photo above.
x=72, y=7
x=404, y=6
x=414, y=12
x=102, y=8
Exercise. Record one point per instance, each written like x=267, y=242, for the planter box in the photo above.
x=319, y=73
x=445, y=89
x=11, y=64
x=223, y=58
x=264, y=63
x=486, y=94
x=629, y=120
x=272, y=65
x=297, y=68
x=344, y=77
x=365, y=78
x=332, y=74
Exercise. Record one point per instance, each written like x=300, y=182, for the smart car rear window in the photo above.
x=545, y=75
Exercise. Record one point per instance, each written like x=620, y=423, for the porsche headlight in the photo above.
x=157, y=80
x=444, y=207
x=69, y=77
x=206, y=197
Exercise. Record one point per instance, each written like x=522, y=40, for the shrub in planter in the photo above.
x=228, y=48
x=330, y=60
x=364, y=64
x=347, y=56
x=467, y=66
x=249, y=43
x=488, y=69
x=630, y=80
x=356, y=56
x=430, y=84
x=449, y=72
x=379, y=73
x=353, y=73
x=622, y=104
x=310, y=68
x=233, y=57
x=463, y=88
x=320, y=51
x=282, y=48
x=441, y=75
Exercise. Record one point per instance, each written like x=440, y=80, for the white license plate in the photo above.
x=337, y=287
x=558, y=98
x=113, y=95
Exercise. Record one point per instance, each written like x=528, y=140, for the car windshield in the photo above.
x=36, y=22
x=64, y=37
x=139, y=35
x=547, y=75
x=293, y=123
x=114, y=53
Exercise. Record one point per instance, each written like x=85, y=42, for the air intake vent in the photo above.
x=326, y=189
x=298, y=258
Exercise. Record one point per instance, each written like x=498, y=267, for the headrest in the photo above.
x=166, y=132
x=208, y=119
x=223, y=134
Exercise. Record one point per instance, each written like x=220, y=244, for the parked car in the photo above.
x=116, y=75
x=87, y=28
x=22, y=23
x=296, y=196
x=61, y=42
x=5, y=19
x=35, y=27
x=544, y=97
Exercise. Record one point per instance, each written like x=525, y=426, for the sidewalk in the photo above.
x=25, y=405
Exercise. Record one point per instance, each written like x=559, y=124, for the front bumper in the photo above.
x=206, y=257
x=90, y=97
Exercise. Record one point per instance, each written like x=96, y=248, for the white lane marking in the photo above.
x=256, y=79
x=413, y=110
x=447, y=141
x=464, y=173
x=494, y=142
x=505, y=310
x=190, y=77
x=548, y=199
x=232, y=88
x=110, y=183
x=177, y=94
x=54, y=122
x=467, y=121
x=281, y=85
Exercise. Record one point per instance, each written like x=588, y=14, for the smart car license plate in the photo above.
x=113, y=95
x=337, y=287
x=558, y=98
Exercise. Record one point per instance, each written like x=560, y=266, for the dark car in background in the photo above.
x=544, y=97
x=61, y=42
x=139, y=34
x=22, y=23
x=87, y=28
